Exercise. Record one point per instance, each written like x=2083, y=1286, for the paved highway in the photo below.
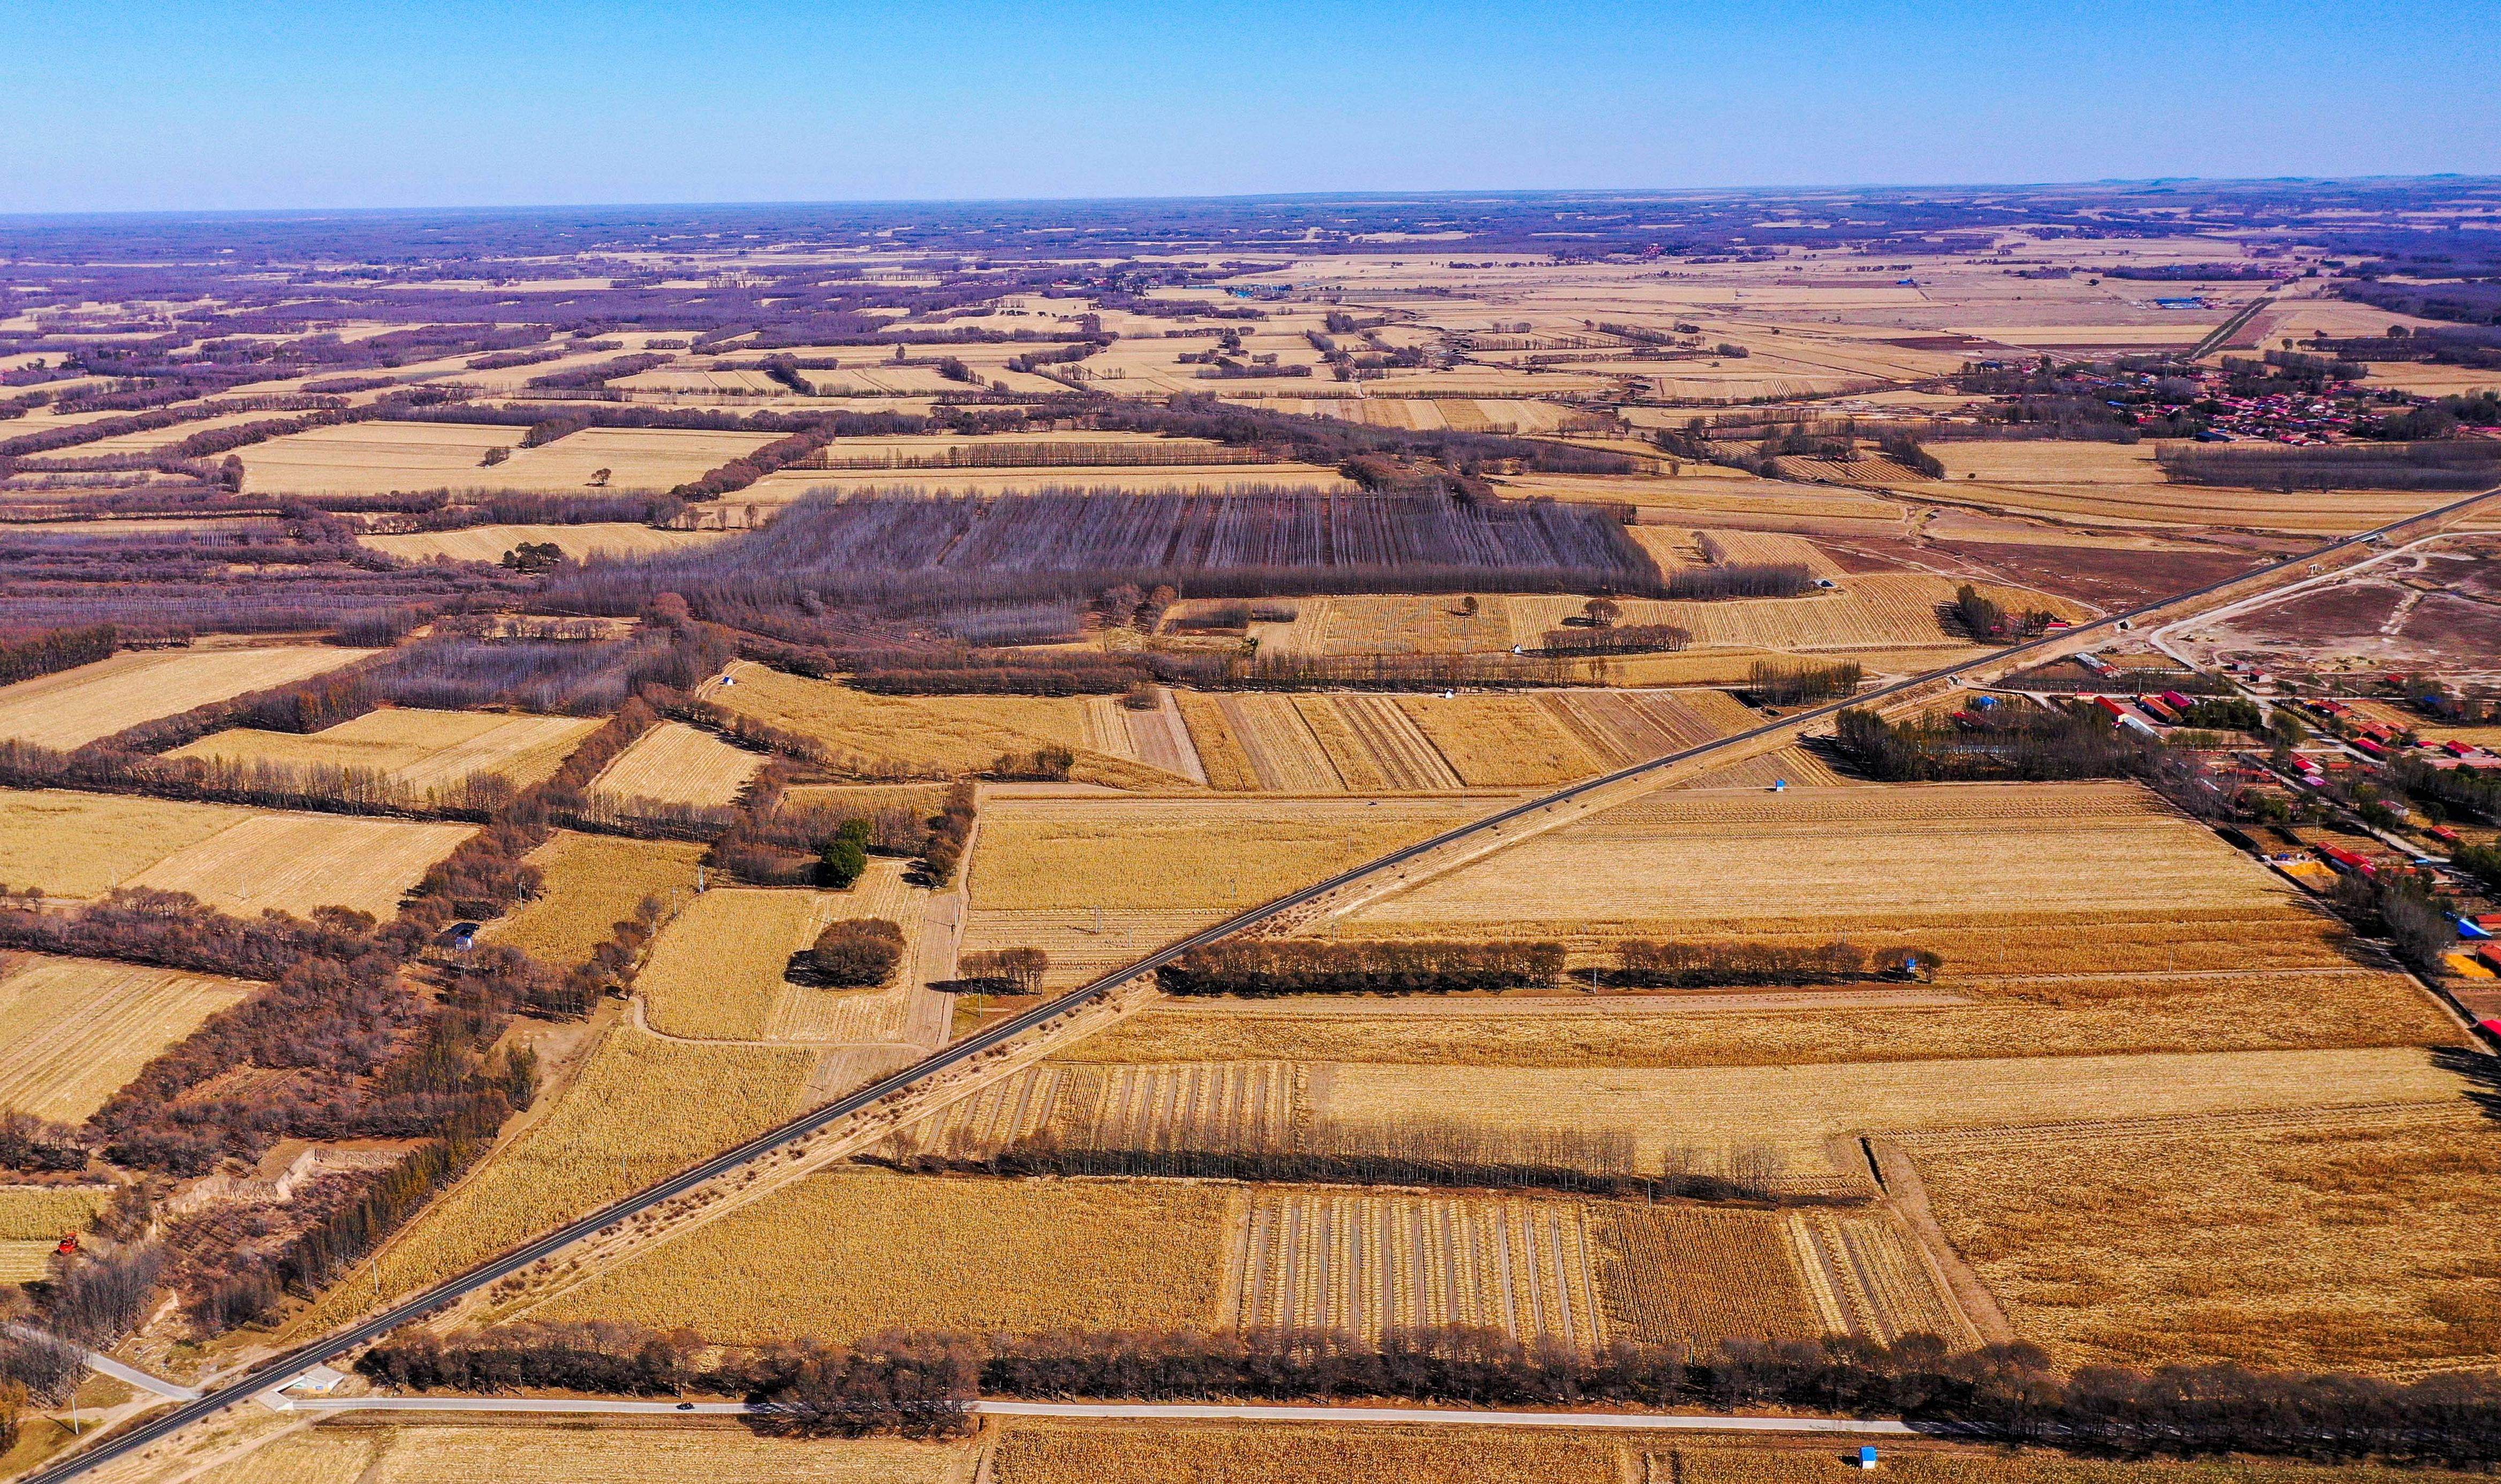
x=294, y=1363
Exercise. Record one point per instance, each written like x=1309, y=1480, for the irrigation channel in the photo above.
x=292, y=1365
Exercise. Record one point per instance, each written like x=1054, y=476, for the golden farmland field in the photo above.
x=1293, y=1453
x=592, y=882
x=39, y=1212
x=1046, y=854
x=375, y=457
x=678, y=763
x=76, y=706
x=718, y=972
x=642, y=1107
x=298, y=862
x=417, y=749
x=2367, y=1239
x=909, y=736
x=842, y=1255
x=1790, y=1110
x=2117, y=484
x=1501, y=741
x=1682, y=860
x=74, y=844
x=458, y=1449
x=488, y=544
x=74, y=1032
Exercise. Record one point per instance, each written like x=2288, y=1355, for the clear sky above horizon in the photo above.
x=149, y=107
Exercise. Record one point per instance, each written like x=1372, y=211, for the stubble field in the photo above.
x=76, y=706
x=74, y=1032
x=413, y=747
x=674, y=763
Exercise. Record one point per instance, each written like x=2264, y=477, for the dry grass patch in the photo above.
x=2327, y=1243
x=842, y=1255
x=1041, y=855
x=674, y=763
x=590, y=883
x=74, y=844
x=415, y=747
x=298, y=862
x=74, y=1030
x=76, y=706
x=641, y=1109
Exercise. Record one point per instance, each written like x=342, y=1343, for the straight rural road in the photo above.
x=294, y=1364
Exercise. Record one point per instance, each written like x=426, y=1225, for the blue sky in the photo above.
x=240, y=105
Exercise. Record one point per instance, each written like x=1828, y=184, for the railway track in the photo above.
x=292, y=1365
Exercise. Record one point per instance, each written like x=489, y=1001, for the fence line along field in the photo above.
x=640, y=1108
x=674, y=763
x=925, y=737
x=590, y=883
x=2369, y=1238
x=76, y=706
x=489, y=542
x=74, y=1032
x=1365, y=1263
x=842, y=1255
x=523, y=1450
x=298, y=862
x=415, y=747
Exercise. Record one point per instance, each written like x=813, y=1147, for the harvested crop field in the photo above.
x=376, y=457
x=642, y=1107
x=1154, y=736
x=924, y=737
x=75, y=844
x=74, y=1032
x=2367, y=1239
x=591, y=883
x=1788, y=1111
x=1193, y=855
x=1293, y=1453
x=489, y=542
x=1683, y=860
x=76, y=706
x=40, y=1212
x=2100, y=484
x=415, y=748
x=722, y=970
x=298, y=862
x=842, y=1255
x=2182, y=1013
x=1869, y=612
x=674, y=763
x=1365, y=1263
x=1327, y=743
x=458, y=1449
